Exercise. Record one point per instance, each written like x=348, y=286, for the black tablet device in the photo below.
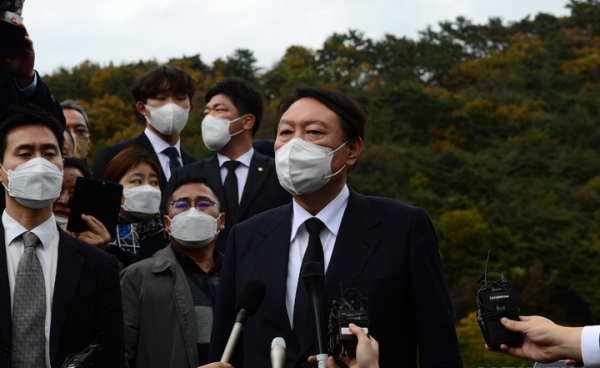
x=98, y=198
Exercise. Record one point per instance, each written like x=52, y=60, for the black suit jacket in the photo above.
x=85, y=304
x=42, y=97
x=262, y=191
x=384, y=248
x=109, y=152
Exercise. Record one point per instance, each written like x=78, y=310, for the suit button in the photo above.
x=300, y=364
x=6, y=352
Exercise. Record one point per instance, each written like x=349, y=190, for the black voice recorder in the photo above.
x=495, y=299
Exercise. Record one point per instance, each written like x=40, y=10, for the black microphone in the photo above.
x=278, y=352
x=312, y=275
x=248, y=301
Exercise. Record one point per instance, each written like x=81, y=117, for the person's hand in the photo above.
x=22, y=65
x=367, y=352
x=543, y=340
x=217, y=365
x=97, y=236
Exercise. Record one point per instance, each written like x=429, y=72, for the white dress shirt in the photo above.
x=241, y=172
x=331, y=216
x=590, y=346
x=47, y=254
x=159, y=146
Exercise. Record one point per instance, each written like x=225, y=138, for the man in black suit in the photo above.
x=232, y=117
x=78, y=299
x=164, y=98
x=383, y=248
x=19, y=82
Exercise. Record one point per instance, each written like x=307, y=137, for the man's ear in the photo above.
x=249, y=121
x=221, y=222
x=141, y=108
x=167, y=224
x=191, y=108
x=355, y=147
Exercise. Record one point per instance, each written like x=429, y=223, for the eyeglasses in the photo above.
x=80, y=131
x=182, y=205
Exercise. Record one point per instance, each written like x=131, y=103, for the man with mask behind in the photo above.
x=78, y=125
x=245, y=181
x=168, y=300
x=164, y=98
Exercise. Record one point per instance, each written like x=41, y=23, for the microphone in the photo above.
x=248, y=301
x=312, y=275
x=278, y=352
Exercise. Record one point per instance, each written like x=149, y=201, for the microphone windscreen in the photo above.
x=278, y=342
x=251, y=296
x=312, y=268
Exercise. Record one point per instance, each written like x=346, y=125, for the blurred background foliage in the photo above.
x=492, y=128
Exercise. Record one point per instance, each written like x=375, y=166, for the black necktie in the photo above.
x=173, y=158
x=29, y=309
x=231, y=190
x=314, y=253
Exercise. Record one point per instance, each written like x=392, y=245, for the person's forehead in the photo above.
x=193, y=190
x=220, y=99
x=73, y=116
x=31, y=133
x=309, y=109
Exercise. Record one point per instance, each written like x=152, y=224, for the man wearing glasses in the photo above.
x=168, y=300
x=78, y=125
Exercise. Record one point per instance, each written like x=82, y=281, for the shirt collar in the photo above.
x=331, y=215
x=244, y=159
x=158, y=144
x=185, y=261
x=44, y=231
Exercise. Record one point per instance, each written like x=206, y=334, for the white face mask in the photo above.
x=35, y=183
x=215, y=132
x=60, y=221
x=142, y=202
x=304, y=167
x=168, y=119
x=194, y=229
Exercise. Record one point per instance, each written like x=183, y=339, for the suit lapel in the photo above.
x=186, y=158
x=143, y=141
x=273, y=250
x=68, y=270
x=353, y=247
x=355, y=243
x=5, y=313
x=257, y=174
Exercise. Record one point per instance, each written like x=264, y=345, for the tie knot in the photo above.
x=30, y=240
x=314, y=226
x=231, y=165
x=171, y=152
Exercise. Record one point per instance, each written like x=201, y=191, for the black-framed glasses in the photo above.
x=183, y=205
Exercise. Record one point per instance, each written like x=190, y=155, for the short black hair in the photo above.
x=76, y=164
x=187, y=179
x=347, y=109
x=28, y=114
x=244, y=97
x=163, y=79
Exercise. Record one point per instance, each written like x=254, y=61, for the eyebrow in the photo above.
x=218, y=104
x=197, y=199
x=29, y=146
x=286, y=121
